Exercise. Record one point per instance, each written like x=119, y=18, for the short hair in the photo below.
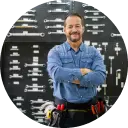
x=74, y=14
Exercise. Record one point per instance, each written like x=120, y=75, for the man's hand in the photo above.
x=85, y=71
x=76, y=82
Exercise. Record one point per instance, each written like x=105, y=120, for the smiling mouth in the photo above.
x=74, y=34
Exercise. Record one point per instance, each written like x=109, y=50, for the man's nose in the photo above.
x=74, y=29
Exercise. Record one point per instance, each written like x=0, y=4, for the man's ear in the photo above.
x=64, y=29
x=83, y=29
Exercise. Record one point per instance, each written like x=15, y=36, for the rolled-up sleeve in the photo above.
x=59, y=73
x=98, y=74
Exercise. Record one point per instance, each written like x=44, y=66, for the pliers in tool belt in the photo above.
x=94, y=110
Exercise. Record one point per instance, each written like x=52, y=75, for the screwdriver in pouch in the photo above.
x=94, y=111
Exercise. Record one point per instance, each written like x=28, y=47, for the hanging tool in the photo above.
x=105, y=45
x=94, y=110
x=117, y=49
x=111, y=58
x=118, y=76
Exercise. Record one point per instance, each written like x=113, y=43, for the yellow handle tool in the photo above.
x=49, y=114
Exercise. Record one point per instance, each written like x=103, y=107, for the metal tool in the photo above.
x=111, y=58
x=25, y=33
x=94, y=18
x=99, y=48
x=16, y=82
x=25, y=26
x=36, y=51
x=32, y=11
x=50, y=81
x=34, y=107
x=94, y=44
x=87, y=42
x=15, y=68
x=58, y=10
x=35, y=59
x=27, y=14
x=15, y=76
x=94, y=32
x=95, y=26
x=35, y=46
x=34, y=79
x=122, y=84
x=106, y=98
x=51, y=86
x=115, y=35
x=56, y=20
x=38, y=113
x=58, y=3
x=34, y=65
x=57, y=32
x=117, y=49
x=14, y=48
x=118, y=76
x=27, y=20
x=99, y=89
x=105, y=45
x=35, y=86
x=84, y=5
x=39, y=117
x=14, y=62
x=96, y=13
x=35, y=74
x=15, y=54
x=86, y=11
x=41, y=101
x=18, y=104
x=104, y=86
x=35, y=71
x=55, y=26
x=94, y=110
x=40, y=121
x=18, y=98
x=34, y=90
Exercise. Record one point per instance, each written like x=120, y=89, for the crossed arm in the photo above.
x=82, y=76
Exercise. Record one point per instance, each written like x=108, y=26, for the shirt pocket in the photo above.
x=67, y=62
x=86, y=62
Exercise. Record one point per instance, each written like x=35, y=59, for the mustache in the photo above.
x=74, y=33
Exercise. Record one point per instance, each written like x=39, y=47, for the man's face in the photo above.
x=73, y=28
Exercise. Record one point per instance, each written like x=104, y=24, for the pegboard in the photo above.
x=25, y=83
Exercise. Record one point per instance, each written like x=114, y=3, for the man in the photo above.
x=76, y=70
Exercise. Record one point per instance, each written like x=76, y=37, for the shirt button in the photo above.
x=81, y=96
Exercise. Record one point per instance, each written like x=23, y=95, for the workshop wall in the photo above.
x=24, y=53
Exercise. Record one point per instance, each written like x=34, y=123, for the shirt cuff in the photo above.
x=85, y=81
x=77, y=74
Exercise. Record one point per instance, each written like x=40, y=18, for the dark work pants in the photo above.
x=74, y=119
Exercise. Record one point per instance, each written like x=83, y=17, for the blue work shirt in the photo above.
x=63, y=66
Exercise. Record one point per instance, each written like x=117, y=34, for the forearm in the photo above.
x=62, y=74
x=94, y=78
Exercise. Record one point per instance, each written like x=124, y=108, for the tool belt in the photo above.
x=96, y=105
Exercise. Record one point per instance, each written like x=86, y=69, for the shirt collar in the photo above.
x=68, y=47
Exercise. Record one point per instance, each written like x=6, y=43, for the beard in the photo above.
x=74, y=39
